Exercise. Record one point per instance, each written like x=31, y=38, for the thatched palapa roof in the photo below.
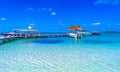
x=75, y=28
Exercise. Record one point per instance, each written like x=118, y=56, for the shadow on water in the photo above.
x=0, y=42
x=47, y=41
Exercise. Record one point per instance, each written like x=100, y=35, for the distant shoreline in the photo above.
x=116, y=32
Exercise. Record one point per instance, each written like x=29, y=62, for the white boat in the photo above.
x=75, y=35
x=1, y=37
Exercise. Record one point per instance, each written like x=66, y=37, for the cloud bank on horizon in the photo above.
x=110, y=2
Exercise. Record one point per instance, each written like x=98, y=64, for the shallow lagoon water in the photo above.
x=89, y=54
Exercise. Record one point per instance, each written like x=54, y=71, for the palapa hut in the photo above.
x=75, y=28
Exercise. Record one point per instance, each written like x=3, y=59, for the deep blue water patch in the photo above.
x=0, y=42
x=48, y=41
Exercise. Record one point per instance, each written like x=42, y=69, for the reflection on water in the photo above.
x=0, y=42
x=46, y=41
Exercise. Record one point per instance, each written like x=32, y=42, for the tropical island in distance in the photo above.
x=111, y=31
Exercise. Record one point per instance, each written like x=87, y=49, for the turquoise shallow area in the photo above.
x=89, y=54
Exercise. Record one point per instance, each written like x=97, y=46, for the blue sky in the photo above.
x=58, y=15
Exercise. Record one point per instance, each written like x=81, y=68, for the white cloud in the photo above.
x=53, y=13
x=108, y=24
x=61, y=23
x=97, y=23
x=50, y=9
x=43, y=9
x=84, y=24
x=31, y=9
x=40, y=9
x=118, y=24
x=111, y=2
x=3, y=19
x=46, y=9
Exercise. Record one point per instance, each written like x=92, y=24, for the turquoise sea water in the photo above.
x=89, y=54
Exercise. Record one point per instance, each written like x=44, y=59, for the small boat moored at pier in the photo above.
x=95, y=33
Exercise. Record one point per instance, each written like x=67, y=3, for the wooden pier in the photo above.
x=7, y=37
x=32, y=33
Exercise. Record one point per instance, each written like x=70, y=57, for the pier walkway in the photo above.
x=7, y=37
